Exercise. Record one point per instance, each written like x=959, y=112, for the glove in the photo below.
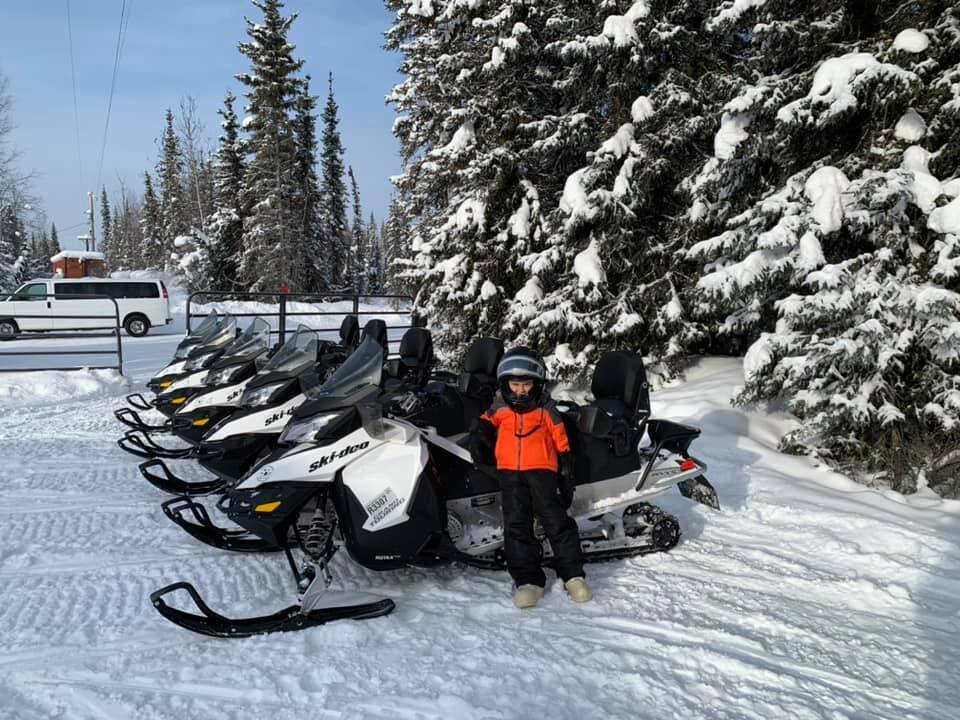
x=481, y=443
x=568, y=479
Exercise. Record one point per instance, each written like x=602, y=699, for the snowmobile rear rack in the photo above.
x=132, y=419
x=290, y=618
x=140, y=402
x=204, y=530
x=174, y=485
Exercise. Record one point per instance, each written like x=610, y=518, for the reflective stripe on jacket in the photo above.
x=528, y=441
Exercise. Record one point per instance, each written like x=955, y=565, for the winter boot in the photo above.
x=578, y=590
x=527, y=596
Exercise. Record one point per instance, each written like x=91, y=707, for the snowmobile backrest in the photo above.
x=416, y=357
x=592, y=420
x=620, y=386
x=376, y=329
x=479, y=374
x=350, y=332
x=672, y=436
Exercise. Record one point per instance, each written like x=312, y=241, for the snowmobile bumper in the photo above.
x=142, y=446
x=170, y=483
x=699, y=490
x=291, y=618
x=203, y=529
x=132, y=419
x=139, y=402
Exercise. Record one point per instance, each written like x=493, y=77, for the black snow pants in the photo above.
x=537, y=492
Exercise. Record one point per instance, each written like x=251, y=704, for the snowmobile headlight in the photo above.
x=306, y=430
x=198, y=362
x=260, y=396
x=223, y=376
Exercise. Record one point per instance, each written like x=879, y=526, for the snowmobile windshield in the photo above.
x=224, y=335
x=252, y=341
x=207, y=328
x=363, y=367
x=297, y=354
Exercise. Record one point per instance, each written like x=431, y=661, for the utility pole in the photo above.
x=92, y=242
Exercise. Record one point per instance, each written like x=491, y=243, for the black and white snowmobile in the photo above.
x=190, y=346
x=397, y=494
x=334, y=407
x=226, y=383
x=232, y=445
x=225, y=347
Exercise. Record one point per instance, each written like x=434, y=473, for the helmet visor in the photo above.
x=520, y=366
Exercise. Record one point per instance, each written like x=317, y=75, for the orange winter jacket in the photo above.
x=528, y=441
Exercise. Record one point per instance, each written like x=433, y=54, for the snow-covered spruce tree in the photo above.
x=106, y=241
x=333, y=196
x=38, y=262
x=271, y=223
x=357, y=257
x=193, y=253
x=640, y=87
x=151, y=253
x=310, y=262
x=174, y=217
x=830, y=217
x=226, y=222
x=54, y=240
x=13, y=266
x=472, y=186
x=126, y=230
x=374, y=252
x=395, y=239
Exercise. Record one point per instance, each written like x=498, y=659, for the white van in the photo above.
x=59, y=304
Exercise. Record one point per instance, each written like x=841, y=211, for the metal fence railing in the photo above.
x=283, y=312
x=64, y=329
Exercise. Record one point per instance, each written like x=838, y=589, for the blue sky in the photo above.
x=173, y=49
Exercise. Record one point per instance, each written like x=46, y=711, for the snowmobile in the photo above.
x=231, y=446
x=334, y=407
x=396, y=494
x=239, y=359
x=192, y=345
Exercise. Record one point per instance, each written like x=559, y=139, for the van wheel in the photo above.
x=136, y=325
x=8, y=329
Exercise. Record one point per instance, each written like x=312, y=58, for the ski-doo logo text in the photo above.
x=327, y=459
x=277, y=416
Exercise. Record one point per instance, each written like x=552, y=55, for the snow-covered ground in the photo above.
x=807, y=596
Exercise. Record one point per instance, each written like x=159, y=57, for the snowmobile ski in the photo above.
x=291, y=618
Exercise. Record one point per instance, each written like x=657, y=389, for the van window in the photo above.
x=76, y=291
x=116, y=290
x=34, y=291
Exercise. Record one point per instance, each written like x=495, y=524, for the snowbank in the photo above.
x=49, y=387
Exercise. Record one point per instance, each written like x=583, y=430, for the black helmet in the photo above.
x=521, y=363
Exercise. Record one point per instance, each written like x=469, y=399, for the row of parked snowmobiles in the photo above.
x=315, y=445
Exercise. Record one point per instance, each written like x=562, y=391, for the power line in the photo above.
x=121, y=35
x=76, y=110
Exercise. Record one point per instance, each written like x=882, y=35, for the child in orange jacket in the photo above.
x=531, y=449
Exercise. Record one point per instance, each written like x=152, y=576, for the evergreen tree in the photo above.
x=395, y=237
x=357, y=260
x=310, y=257
x=226, y=223
x=54, y=240
x=837, y=263
x=39, y=264
x=173, y=209
x=127, y=232
x=151, y=253
x=106, y=232
x=374, y=252
x=333, y=196
x=12, y=271
x=270, y=184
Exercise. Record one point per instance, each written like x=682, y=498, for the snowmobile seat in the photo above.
x=479, y=374
x=672, y=436
x=620, y=387
x=350, y=332
x=377, y=329
x=416, y=358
